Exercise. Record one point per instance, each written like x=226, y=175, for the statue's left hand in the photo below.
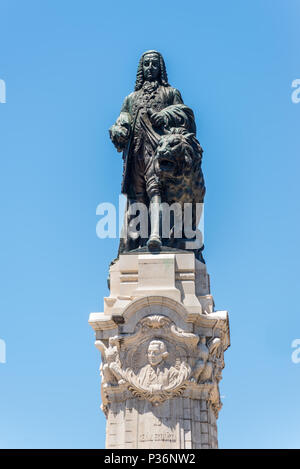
x=157, y=119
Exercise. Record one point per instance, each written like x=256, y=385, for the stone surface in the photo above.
x=176, y=423
x=162, y=347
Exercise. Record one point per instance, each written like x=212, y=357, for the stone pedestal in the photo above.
x=162, y=347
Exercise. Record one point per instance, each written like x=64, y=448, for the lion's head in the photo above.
x=177, y=152
x=177, y=165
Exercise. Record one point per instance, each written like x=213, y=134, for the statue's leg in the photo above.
x=153, y=191
x=129, y=238
x=154, y=241
x=135, y=228
x=134, y=234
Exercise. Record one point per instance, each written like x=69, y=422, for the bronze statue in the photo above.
x=162, y=158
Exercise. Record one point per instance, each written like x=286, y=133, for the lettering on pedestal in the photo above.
x=167, y=436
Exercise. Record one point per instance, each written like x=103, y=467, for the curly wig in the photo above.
x=140, y=74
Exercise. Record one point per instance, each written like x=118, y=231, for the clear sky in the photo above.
x=67, y=66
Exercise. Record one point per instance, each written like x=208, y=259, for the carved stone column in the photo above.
x=162, y=348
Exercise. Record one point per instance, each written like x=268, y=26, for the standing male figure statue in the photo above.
x=146, y=115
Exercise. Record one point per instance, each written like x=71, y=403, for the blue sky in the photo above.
x=67, y=66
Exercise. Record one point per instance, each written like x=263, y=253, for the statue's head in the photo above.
x=157, y=352
x=151, y=67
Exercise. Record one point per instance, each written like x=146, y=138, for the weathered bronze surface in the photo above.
x=156, y=132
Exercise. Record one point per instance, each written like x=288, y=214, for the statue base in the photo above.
x=162, y=347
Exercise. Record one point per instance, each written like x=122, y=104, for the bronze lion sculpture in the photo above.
x=177, y=170
x=177, y=166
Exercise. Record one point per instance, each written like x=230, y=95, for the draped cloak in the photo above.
x=143, y=136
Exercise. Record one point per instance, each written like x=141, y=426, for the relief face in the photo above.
x=156, y=375
x=157, y=352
